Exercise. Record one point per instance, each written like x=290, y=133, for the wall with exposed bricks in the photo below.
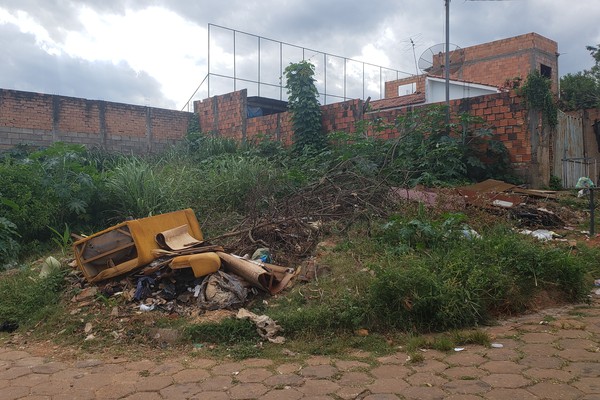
x=41, y=119
x=505, y=112
x=494, y=63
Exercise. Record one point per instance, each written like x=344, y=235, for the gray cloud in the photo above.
x=342, y=27
x=29, y=68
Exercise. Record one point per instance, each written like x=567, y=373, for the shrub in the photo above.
x=9, y=246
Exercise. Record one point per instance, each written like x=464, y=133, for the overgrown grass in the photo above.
x=26, y=298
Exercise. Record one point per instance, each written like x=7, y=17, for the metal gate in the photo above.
x=570, y=162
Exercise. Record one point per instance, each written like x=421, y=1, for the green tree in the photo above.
x=304, y=106
x=582, y=90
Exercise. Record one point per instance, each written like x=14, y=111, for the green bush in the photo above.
x=9, y=246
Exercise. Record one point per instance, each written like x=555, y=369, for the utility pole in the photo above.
x=447, y=63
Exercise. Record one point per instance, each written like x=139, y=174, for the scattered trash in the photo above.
x=265, y=326
x=50, y=264
x=144, y=288
x=597, y=282
x=597, y=292
x=85, y=294
x=497, y=345
x=222, y=290
x=459, y=348
x=540, y=234
x=262, y=254
x=9, y=326
x=470, y=233
x=147, y=308
x=88, y=327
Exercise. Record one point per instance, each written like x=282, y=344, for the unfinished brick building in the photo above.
x=495, y=63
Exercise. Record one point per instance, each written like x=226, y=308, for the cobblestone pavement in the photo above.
x=551, y=355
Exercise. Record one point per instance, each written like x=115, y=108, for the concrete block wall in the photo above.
x=41, y=119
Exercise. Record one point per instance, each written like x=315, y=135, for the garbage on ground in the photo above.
x=166, y=265
x=497, y=345
x=597, y=282
x=265, y=326
x=540, y=234
x=459, y=349
x=50, y=264
x=222, y=290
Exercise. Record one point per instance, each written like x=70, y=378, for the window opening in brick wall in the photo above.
x=546, y=71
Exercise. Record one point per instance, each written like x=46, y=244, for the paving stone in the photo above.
x=429, y=366
x=381, y=396
x=153, y=383
x=351, y=365
x=13, y=355
x=584, y=369
x=390, y=371
x=288, y=368
x=217, y=383
x=190, y=375
x=179, y=391
x=578, y=355
x=114, y=391
x=538, y=337
x=247, y=391
x=257, y=362
x=351, y=392
x=74, y=394
x=30, y=380
x=588, y=385
x=388, y=385
x=319, y=371
x=88, y=363
x=13, y=392
x=512, y=394
x=14, y=372
x=467, y=387
x=550, y=390
x=143, y=365
x=92, y=382
x=315, y=387
x=54, y=388
x=284, y=380
x=424, y=393
x=502, y=367
x=539, y=349
x=464, y=372
x=502, y=355
x=542, y=362
x=202, y=363
x=283, y=394
x=251, y=375
x=354, y=379
x=143, y=396
x=426, y=379
x=49, y=368
x=226, y=369
x=573, y=334
x=542, y=374
x=4, y=383
x=167, y=368
x=133, y=377
x=318, y=360
x=39, y=398
x=462, y=397
x=581, y=344
x=29, y=362
x=512, y=381
x=210, y=395
x=398, y=358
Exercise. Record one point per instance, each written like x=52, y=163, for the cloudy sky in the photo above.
x=155, y=52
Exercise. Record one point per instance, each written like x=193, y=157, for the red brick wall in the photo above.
x=496, y=62
x=41, y=119
x=225, y=114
